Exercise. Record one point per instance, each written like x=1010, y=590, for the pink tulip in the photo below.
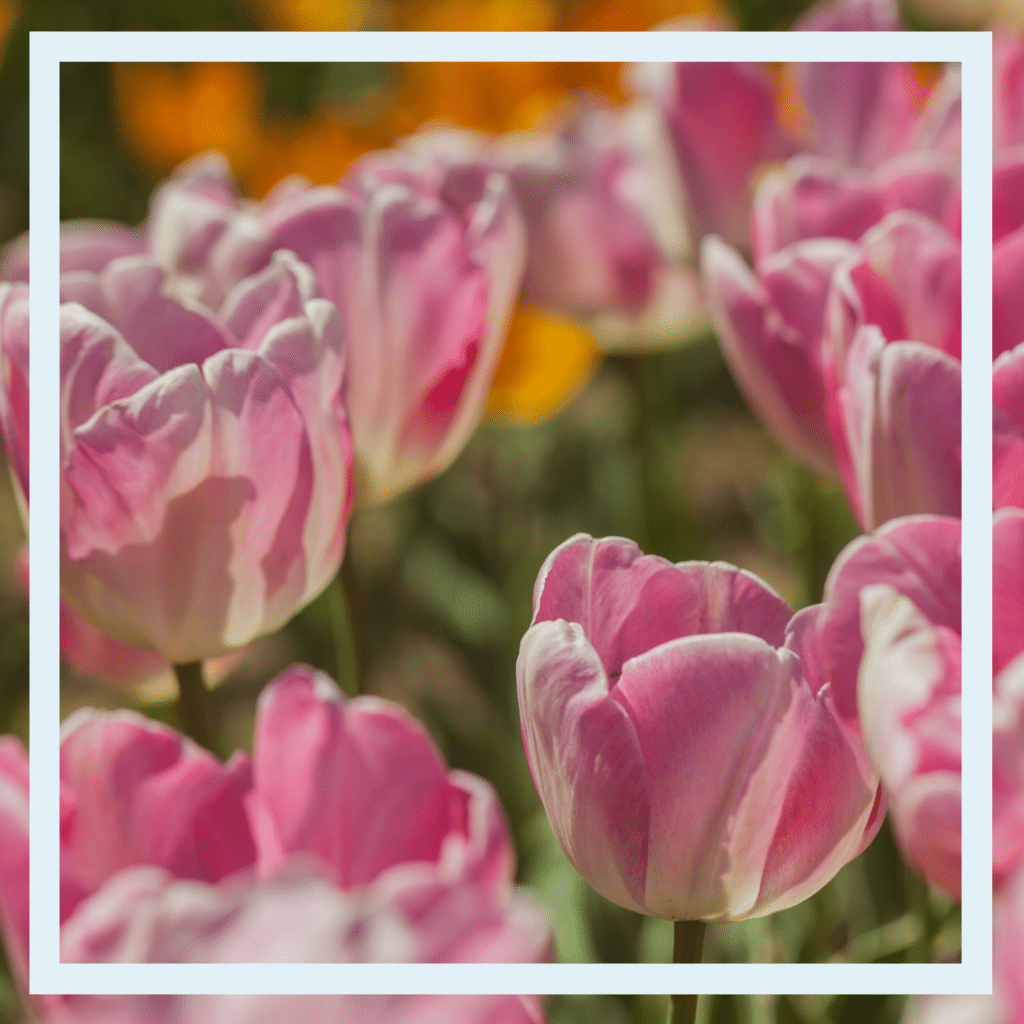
x=346, y=840
x=1008, y=193
x=606, y=233
x=692, y=764
x=863, y=111
x=14, y=362
x=424, y=262
x=813, y=197
x=1007, y=692
x=360, y=785
x=186, y=431
x=84, y=245
x=722, y=122
x=1008, y=90
x=889, y=641
x=891, y=356
x=1008, y=255
x=769, y=327
x=1008, y=429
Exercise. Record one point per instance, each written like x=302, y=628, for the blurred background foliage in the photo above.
x=661, y=449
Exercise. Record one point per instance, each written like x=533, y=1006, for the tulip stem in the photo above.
x=195, y=710
x=687, y=946
x=350, y=638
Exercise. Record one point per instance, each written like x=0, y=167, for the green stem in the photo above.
x=350, y=651
x=687, y=946
x=195, y=710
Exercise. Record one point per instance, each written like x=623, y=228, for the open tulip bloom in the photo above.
x=689, y=752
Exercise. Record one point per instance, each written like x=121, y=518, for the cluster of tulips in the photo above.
x=235, y=376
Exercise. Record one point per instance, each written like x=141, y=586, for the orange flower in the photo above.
x=170, y=112
x=546, y=360
x=312, y=15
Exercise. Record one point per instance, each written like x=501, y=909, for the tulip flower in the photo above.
x=891, y=357
x=1007, y=90
x=206, y=466
x=723, y=125
x=345, y=838
x=769, y=327
x=889, y=639
x=691, y=759
x=424, y=263
x=1008, y=256
x=1008, y=429
x=1007, y=692
x=14, y=406
x=863, y=111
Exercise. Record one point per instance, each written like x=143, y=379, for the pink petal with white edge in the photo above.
x=919, y=557
x=628, y=602
x=1007, y=587
x=770, y=332
x=717, y=155
x=1008, y=429
x=901, y=421
x=359, y=784
x=908, y=695
x=134, y=791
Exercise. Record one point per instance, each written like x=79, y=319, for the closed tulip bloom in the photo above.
x=769, y=325
x=723, y=125
x=1008, y=429
x=889, y=638
x=206, y=464
x=424, y=263
x=891, y=357
x=692, y=763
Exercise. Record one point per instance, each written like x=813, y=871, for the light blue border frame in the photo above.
x=973, y=975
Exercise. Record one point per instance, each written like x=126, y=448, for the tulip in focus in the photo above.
x=692, y=761
x=889, y=639
x=206, y=464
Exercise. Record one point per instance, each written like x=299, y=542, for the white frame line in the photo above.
x=48, y=975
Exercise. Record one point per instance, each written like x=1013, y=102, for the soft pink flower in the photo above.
x=1007, y=692
x=891, y=357
x=692, y=764
x=1007, y=90
x=1008, y=429
x=769, y=326
x=723, y=124
x=889, y=640
x=347, y=839
x=863, y=111
x=424, y=262
x=14, y=363
x=1008, y=253
x=206, y=464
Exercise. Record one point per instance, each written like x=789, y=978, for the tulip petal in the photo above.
x=14, y=393
x=1008, y=429
x=14, y=855
x=1007, y=587
x=1007, y=301
x=136, y=792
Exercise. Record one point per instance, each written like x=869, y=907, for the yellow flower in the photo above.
x=546, y=360
x=172, y=112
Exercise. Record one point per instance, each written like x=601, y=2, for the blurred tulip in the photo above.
x=1008, y=194
x=424, y=262
x=769, y=326
x=889, y=641
x=1007, y=692
x=811, y=197
x=206, y=467
x=345, y=839
x=891, y=358
x=723, y=125
x=14, y=369
x=1008, y=429
x=863, y=111
x=691, y=764
x=1008, y=90
x=1008, y=261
